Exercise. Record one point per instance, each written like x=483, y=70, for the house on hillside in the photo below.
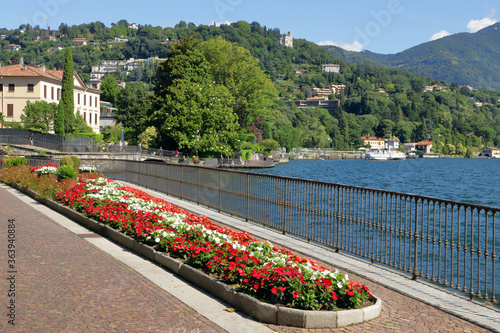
x=13, y=47
x=330, y=68
x=373, y=142
x=490, y=152
x=80, y=41
x=21, y=83
x=424, y=146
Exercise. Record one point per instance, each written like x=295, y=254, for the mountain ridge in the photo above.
x=463, y=58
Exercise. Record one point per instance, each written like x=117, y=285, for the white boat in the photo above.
x=377, y=154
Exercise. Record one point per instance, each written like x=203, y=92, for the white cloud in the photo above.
x=437, y=35
x=218, y=24
x=354, y=46
x=327, y=43
x=476, y=25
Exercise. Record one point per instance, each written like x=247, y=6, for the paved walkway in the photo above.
x=68, y=279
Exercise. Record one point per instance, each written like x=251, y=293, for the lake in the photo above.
x=468, y=180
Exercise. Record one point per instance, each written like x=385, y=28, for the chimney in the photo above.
x=21, y=61
x=42, y=68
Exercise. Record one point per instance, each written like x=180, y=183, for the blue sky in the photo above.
x=387, y=26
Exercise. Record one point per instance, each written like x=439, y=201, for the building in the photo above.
x=80, y=41
x=330, y=68
x=107, y=115
x=13, y=47
x=409, y=148
x=330, y=105
x=392, y=143
x=286, y=39
x=424, y=146
x=373, y=142
x=490, y=152
x=328, y=90
x=121, y=39
x=20, y=84
x=133, y=26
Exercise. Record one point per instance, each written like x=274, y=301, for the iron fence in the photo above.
x=447, y=242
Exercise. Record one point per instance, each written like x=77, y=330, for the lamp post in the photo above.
x=197, y=141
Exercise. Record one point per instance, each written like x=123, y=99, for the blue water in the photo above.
x=467, y=180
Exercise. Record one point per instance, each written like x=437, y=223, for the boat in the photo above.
x=385, y=154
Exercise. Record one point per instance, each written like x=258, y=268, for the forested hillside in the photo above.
x=376, y=101
x=465, y=58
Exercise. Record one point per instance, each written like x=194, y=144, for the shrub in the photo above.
x=15, y=161
x=246, y=154
x=66, y=172
x=67, y=160
x=76, y=161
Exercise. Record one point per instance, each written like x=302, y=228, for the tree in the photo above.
x=133, y=106
x=67, y=92
x=234, y=67
x=59, y=120
x=148, y=137
x=110, y=89
x=191, y=112
x=39, y=115
x=81, y=126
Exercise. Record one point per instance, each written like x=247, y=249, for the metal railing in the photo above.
x=447, y=242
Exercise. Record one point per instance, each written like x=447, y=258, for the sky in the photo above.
x=381, y=26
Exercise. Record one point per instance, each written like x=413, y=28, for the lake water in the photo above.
x=468, y=180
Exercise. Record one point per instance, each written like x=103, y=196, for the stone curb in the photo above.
x=263, y=312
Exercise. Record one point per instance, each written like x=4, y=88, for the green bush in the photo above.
x=66, y=160
x=15, y=161
x=76, y=161
x=246, y=154
x=66, y=172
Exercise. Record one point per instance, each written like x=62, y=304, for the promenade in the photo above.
x=68, y=279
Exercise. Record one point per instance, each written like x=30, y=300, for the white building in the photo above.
x=20, y=84
x=286, y=39
x=330, y=68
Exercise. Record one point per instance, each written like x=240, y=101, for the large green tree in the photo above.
x=191, y=111
x=110, y=89
x=133, y=106
x=235, y=68
x=67, y=95
x=39, y=115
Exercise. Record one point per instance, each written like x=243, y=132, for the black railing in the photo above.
x=447, y=242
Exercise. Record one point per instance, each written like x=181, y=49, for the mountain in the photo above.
x=464, y=58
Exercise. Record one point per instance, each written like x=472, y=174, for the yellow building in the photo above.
x=21, y=83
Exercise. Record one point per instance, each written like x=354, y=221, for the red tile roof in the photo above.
x=23, y=71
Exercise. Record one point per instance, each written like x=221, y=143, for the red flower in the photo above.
x=274, y=290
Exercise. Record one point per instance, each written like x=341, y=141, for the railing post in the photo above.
x=337, y=249
x=285, y=206
x=247, y=217
x=415, y=246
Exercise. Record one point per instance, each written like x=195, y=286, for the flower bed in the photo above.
x=256, y=268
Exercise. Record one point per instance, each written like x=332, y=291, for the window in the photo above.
x=78, y=99
x=90, y=100
x=12, y=87
x=95, y=118
x=10, y=110
x=58, y=93
x=1, y=86
x=52, y=93
x=84, y=99
x=31, y=87
x=44, y=91
x=85, y=117
x=96, y=102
